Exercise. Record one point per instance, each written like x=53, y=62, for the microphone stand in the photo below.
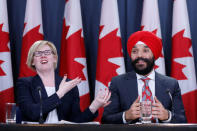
x=168, y=91
x=170, y=95
x=41, y=120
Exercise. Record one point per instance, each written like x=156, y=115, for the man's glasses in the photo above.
x=45, y=52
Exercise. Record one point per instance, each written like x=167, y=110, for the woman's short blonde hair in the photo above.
x=34, y=48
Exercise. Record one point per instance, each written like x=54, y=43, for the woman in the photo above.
x=60, y=97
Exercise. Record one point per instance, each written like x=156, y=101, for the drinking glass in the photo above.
x=10, y=113
x=146, y=111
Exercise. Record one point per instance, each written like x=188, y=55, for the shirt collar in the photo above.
x=150, y=76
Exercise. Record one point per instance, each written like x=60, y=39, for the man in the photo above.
x=129, y=89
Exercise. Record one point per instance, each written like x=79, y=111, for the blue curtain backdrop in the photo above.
x=130, y=12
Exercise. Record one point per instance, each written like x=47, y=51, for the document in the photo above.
x=62, y=122
x=68, y=122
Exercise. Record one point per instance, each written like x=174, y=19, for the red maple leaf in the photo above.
x=180, y=46
x=4, y=40
x=142, y=27
x=7, y=96
x=156, y=66
x=154, y=31
x=161, y=55
x=30, y=37
x=109, y=47
x=2, y=73
x=72, y=48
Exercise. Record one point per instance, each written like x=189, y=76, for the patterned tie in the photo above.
x=147, y=95
x=146, y=92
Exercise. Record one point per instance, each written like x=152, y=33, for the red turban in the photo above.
x=148, y=38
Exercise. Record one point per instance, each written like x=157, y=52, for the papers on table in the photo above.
x=62, y=122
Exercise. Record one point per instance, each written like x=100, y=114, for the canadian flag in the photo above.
x=110, y=61
x=151, y=22
x=182, y=59
x=6, y=80
x=73, y=58
x=33, y=31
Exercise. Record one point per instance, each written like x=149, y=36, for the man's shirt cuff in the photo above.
x=169, y=117
x=123, y=118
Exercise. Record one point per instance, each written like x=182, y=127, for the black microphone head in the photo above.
x=38, y=88
x=168, y=90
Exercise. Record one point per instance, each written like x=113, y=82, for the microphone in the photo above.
x=170, y=95
x=168, y=91
x=41, y=120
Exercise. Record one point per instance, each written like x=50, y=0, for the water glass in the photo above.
x=146, y=111
x=10, y=113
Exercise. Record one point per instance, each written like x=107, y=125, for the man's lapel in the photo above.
x=160, y=89
x=131, y=86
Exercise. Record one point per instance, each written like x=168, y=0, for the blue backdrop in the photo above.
x=130, y=12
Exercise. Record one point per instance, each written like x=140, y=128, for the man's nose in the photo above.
x=140, y=54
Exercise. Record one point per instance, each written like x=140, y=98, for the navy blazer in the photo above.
x=68, y=107
x=125, y=91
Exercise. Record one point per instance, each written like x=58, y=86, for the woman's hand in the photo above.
x=101, y=100
x=66, y=86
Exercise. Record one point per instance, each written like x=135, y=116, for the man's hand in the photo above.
x=134, y=111
x=158, y=111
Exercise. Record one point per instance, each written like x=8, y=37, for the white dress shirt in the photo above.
x=151, y=84
x=52, y=116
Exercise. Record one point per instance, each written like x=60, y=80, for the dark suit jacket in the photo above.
x=125, y=91
x=68, y=107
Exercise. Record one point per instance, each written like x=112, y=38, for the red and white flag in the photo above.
x=73, y=58
x=33, y=31
x=6, y=78
x=151, y=22
x=183, y=68
x=110, y=60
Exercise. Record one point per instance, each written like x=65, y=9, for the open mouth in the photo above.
x=141, y=62
x=44, y=61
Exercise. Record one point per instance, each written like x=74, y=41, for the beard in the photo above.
x=140, y=69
